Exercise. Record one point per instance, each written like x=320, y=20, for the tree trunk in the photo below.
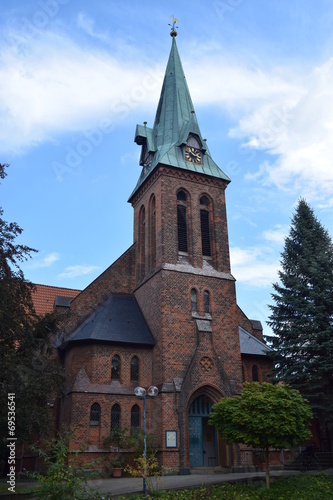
x=329, y=432
x=267, y=466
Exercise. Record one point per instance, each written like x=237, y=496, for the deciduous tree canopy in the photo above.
x=264, y=415
x=27, y=367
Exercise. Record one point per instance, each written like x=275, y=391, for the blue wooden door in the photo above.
x=195, y=440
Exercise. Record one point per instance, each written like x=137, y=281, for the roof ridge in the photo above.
x=55, y=286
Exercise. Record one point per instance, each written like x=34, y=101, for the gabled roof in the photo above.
x=175, y=120
x=249, y=344
x=44, y=297
x=117, y=319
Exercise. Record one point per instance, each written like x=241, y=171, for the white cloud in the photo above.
x=299, y=130
x=237, y=86
x=88, y=25
x=327, y=205
x=254, y=266
x=78, y=270
x=46, y=261
x=276, y=235
x=51, y=85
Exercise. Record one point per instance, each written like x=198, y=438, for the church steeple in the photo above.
x=175, y=109
x=175, y=135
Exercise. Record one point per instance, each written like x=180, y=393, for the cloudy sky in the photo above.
x=77, y=76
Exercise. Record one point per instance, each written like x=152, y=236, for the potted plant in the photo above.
x=117, y=465
x=117, y=440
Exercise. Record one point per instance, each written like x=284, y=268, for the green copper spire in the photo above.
x=175, y=123
x=175, y=108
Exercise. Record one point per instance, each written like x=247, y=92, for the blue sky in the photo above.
x=77, y=76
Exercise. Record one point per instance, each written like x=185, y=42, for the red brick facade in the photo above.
x=178, y=271
x=196, y=353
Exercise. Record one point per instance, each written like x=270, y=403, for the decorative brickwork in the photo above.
x=207, y=364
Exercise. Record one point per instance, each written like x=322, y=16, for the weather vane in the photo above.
x=173, y=26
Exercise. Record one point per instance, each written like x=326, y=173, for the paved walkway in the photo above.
x=125, y=486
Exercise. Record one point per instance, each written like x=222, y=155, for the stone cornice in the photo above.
x=175, y=173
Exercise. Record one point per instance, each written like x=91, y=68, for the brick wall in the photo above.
x=245, y=323
x=195, y=352
x=263, y=363
x=119, y=277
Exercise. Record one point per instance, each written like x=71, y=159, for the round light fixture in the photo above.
x=140, y=392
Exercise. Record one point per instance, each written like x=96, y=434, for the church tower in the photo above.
x=183, y=282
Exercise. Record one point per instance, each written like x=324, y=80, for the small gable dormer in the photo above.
x=194, y=141
x=144, y=138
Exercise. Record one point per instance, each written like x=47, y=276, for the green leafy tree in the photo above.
x=263, y=416
x=28, y=368
x=302, y=314
x=66, y=476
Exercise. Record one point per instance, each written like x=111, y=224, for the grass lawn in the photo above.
x=302, y=487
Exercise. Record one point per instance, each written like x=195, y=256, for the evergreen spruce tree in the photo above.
x=302, y=316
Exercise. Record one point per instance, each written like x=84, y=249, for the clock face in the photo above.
x=147, y=163
x=193, y=155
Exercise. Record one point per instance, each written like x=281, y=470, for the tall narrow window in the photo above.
x=135, y=369
x=206, y=301
x=152, y=232
x=115, y=417
x=135, y=419
x=205, y=226
x=255, y=374
x=95, y=414
x=194, y=300
x=142, y=241
x=115, y=368
x=182, y=221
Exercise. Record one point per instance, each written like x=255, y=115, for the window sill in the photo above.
x=206, y=316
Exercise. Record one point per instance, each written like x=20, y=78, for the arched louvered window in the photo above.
x=135, y=369
x=142, y=241
x=115, y=368
x=135, y=419
x=152, y=232
x=206, y=301
x=193, y=141
x=95, y=414
x=182, y=221
x=115, y=417
x=255, y=373
x=205, y=208
x=194, y=300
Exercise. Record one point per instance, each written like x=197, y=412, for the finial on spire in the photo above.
x=173, y=31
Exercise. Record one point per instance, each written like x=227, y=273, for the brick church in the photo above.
x=165, y=313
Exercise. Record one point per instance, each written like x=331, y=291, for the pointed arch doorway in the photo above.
x=203, y=440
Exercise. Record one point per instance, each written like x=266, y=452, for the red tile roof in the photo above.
x=43, y=297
